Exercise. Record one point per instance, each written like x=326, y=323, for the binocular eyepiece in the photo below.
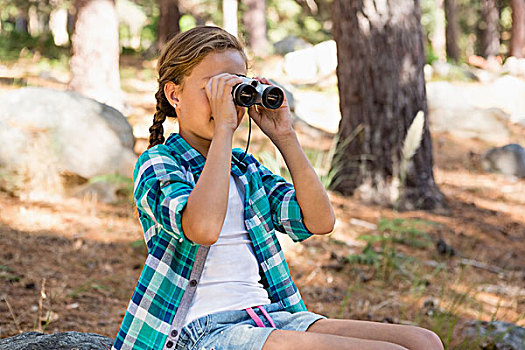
x=251, y=92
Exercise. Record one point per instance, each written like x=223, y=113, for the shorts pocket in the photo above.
x=194, y=332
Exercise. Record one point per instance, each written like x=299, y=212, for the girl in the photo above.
x=215, y=276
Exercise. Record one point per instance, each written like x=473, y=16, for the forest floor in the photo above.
x=73, y=264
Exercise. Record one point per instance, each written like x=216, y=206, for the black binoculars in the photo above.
x=251, y=92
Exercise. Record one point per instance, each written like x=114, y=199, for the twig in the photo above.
x=13, y=314
x=42, y=296
x=482, y=265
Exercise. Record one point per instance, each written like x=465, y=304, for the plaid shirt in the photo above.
x=164, y=177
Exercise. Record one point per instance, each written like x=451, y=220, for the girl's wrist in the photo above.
x=284, y=138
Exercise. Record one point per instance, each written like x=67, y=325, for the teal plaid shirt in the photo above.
x=164, y=177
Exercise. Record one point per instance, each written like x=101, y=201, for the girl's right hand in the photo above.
x=219, y=93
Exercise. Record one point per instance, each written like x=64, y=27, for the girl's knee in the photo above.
x=427, y=338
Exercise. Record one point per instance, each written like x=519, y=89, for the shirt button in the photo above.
x=193, y=283
x=169, y=344
x=174, y=333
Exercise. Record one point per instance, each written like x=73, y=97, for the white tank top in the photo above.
x=230, y=278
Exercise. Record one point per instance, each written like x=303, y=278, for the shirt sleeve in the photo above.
x=286, y=212
x=161, y=190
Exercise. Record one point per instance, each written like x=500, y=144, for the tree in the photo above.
x=229, y=16
x=489, y=28
x=452, y=30
x=168, y=21
x=381, y=88
x=95, y=60
x=254, y=22
x=517, y=41
x=439, y=33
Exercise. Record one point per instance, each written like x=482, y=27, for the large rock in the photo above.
x=54, y=132
x=311, y=64
x=496, y=335
x=57, y=341
x=290, y=44
x=451, y=110
x=508, y=160
x=506, y=93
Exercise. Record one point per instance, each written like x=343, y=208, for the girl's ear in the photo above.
x=172, y=91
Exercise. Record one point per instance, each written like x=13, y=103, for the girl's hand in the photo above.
x=219, y=93
x=275, y=123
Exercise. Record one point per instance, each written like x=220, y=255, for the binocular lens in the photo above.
x=245, y=95
x=272, y=97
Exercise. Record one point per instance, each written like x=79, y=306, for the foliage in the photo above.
x=387, y=261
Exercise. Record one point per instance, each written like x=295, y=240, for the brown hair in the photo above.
x=177, y=59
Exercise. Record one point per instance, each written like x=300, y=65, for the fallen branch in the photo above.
x=482, y=265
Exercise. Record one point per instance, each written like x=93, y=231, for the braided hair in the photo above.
x=177, y=59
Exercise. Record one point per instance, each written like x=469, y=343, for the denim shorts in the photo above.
x=236, y=330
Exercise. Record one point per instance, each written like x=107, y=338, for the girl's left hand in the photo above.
x=274, y=123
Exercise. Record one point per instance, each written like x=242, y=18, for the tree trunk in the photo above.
x=452, y=30
x=381, y=88
x=489, y=28
x=439, y=36
x=95, y=60
x=254, y=21
x=229, y=16
x=517, y=41
x=168, y=21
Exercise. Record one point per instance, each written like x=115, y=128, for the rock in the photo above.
x=509, y=160
x=514, y=66
x=57, y=341
x=444, y=249
x=309, y=65
x=484, y=124
x=450, y=111
x=290, y=44
x=48, y=132
x=318, y=109
x=496, y=335
x=505, y=93
x=448, y=71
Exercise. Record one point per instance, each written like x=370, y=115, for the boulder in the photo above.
x=290, y=44
x=514, y=66
x=451, y=110
x=496, y=335
x=309, y=65
x=57, y=341
x=509, y=160
x=44, y=131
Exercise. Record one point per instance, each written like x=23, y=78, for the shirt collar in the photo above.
x=193, y=156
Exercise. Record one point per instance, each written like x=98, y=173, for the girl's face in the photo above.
x=193, y=109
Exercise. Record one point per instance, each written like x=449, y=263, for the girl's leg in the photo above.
x=410, y=337
x=280, y=339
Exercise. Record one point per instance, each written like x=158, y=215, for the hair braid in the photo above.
x=163, y=110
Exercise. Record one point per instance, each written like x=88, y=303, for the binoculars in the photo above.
x=251, y=92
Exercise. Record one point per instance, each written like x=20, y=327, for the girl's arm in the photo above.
x=204, y=214
x=318, y=214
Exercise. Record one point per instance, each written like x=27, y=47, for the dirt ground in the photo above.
x=73, y=264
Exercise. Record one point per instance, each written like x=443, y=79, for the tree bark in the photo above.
x=254, y=21
x=168, y=21
x=381, y=88
x=452, y=30
x=517, y=41
x=95, y=60
x=229, y=16
x=489, y=29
